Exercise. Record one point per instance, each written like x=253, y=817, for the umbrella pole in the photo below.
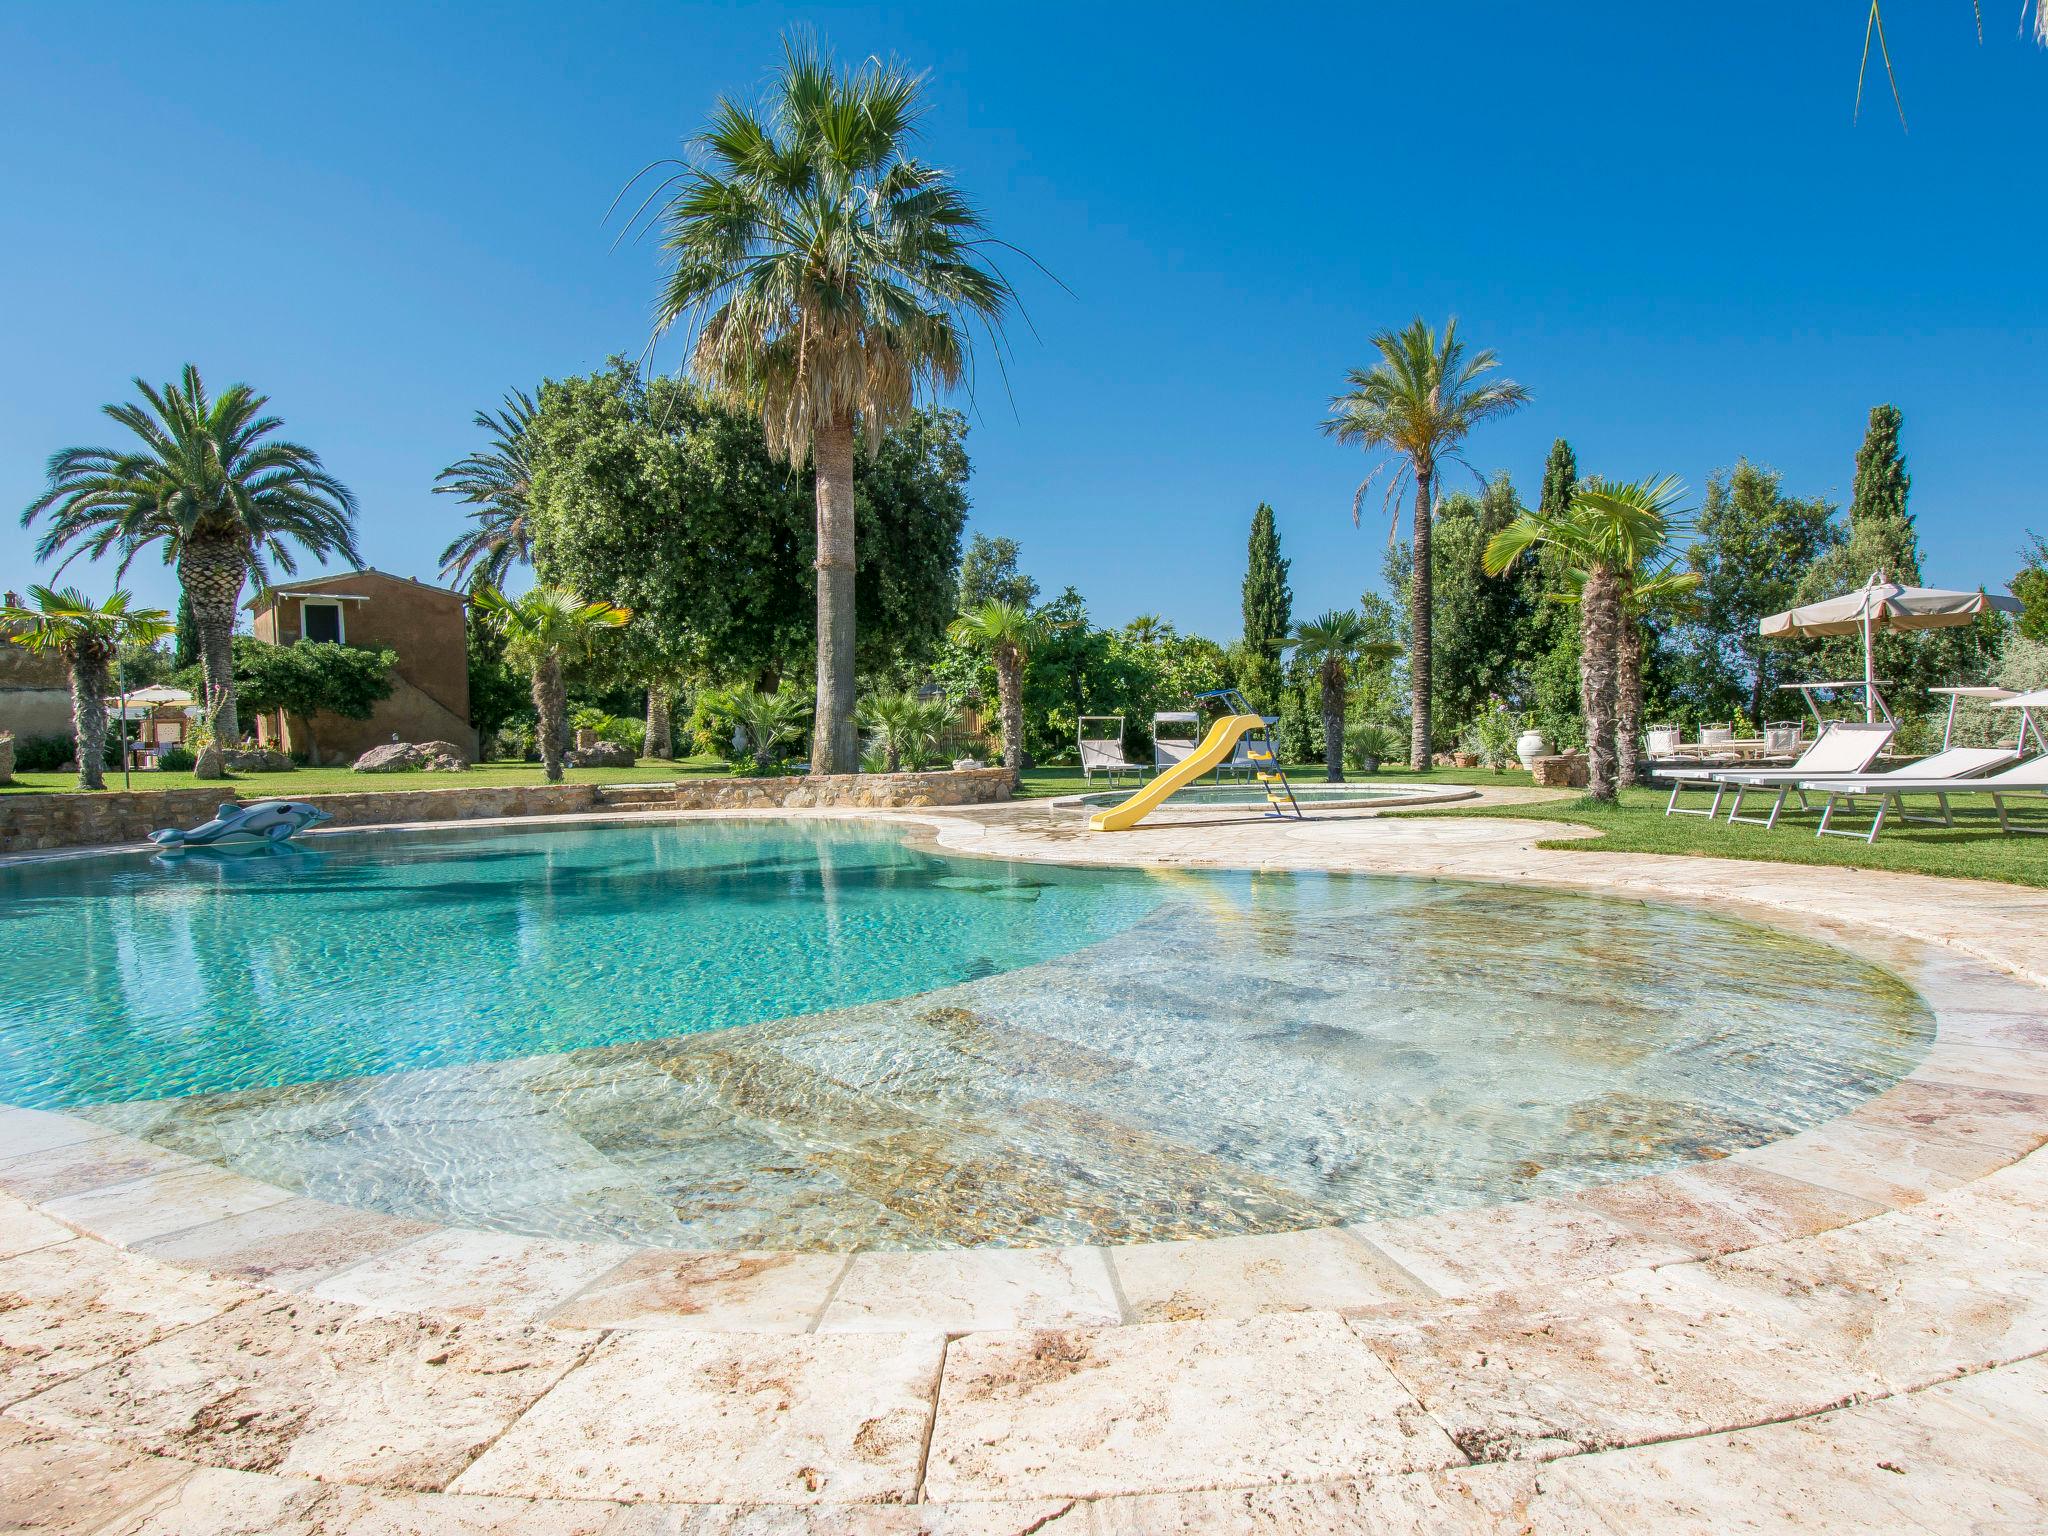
x=1869, y=671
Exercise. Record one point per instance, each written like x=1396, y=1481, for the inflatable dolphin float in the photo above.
x=267, y=821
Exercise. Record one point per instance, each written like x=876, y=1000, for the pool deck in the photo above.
x=1843, y=1331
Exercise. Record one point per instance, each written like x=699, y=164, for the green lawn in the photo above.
x=321, y=781
x=1637, y=824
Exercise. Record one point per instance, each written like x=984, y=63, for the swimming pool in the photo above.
x=816, y=1034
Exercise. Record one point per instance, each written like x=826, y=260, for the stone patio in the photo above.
x=1842, y=1331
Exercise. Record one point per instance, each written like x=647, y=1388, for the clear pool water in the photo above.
x=1254, y=794
x=815, y=1035
x=130, y=978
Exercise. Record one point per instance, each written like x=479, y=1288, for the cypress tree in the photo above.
x=1553, y=650
x=185, y=645
x=1881, y=530
x=1268, y=611
x=1560, y=475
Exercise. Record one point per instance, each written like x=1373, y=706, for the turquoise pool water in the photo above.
x=127, y=978
x=815, y=1035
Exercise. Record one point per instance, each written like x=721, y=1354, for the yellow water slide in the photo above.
x=1214, y=751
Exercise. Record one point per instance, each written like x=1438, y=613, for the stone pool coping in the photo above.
x=1887, y=1271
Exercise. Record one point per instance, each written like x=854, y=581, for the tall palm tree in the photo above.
x=210, y=484
x=1419, y=402
x=497, y=482
x=1333, y=643
x=540, y=628
x=1598, y=536
x=88, y=635
x=830, y=278
x=1149, y=629
x=1009, y=633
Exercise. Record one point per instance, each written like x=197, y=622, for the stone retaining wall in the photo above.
x=33, y=821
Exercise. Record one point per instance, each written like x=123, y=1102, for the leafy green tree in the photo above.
x=1419, y=401
x=541, y=628
x=1008, y=634
x=2030, y=586
x=1334, y=643
x=210, y=485
x=989, y=574
x=1551, y=646
x=89, y=636
x=497, y=482
x=1752, y=545
x=312, y=678
x=1480, y=623
x=831, y=277
x=497, y=693
x=655, y=492
x=1268, y=609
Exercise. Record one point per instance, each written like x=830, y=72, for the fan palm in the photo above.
x=210, y=484
x=497, y=482
x=1333, y=643
x=539, y=629
x=829, y=277
x=767, y=720
x=89, y=636
x=1009, y=633
x=891, y=721
x=1601, y=536
x=1419, y=402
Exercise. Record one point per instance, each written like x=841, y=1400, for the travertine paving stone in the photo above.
x=1090, y=1412
x=959, y=1290
x=708, y=1292
x=1532, y=1242
x=289, y=1245
x=726, y=1418
x=51, y=1482
x=163, y=1203
x=1322, y=1270
x=23, y=1228
x=491, y=1276
x=75, y=1305
x=301, y=1387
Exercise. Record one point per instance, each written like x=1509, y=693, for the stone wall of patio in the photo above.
x=32, y=822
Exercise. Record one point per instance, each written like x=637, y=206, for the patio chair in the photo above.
x=1784, y=738
x=1169, y=752
x=1716, y=736
x=1843, y=748
x=1664, y=742
x=1104, y=754
x=1943, y=775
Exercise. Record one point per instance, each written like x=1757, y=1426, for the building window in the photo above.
x=320, y=621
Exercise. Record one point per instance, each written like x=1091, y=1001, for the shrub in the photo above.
x=1491, y=736
x=176, y=760
x=1370, y=742
x=48, y=754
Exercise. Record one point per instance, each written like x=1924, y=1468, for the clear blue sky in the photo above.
x=1662, y=217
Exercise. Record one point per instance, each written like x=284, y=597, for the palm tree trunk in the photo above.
x=1599, y=613
x=1628, y=696
x=1333, y=728
x=1010, y=692
x=89, y=715
x=211, y=571
x=1421, y=590
x=551, y=715
x=834, y=746
x=659, y=742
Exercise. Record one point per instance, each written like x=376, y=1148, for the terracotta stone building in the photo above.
x=424, y=625
x=35, y=690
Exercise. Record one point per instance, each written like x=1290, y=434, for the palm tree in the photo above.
x=1148, y=629
x=497, y=482
x=1599, y=536
x=1419, y=402
x=830, y=278
x=891, y=721
x=768, y=720
x=89, y=636
x=1333, y=643
x=1009, y=633
x=539, y=629
x=209, y=485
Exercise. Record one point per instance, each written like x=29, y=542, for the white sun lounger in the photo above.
x=1844, y=747
x=2030, y=777
x=1104, y=754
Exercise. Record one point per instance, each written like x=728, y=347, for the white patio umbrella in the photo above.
x=1883, y=604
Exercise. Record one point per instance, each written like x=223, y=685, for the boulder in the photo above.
x=255, y=760
x=601, y=754
x=1567, y=770
x=963, y=764
x=413, y=757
